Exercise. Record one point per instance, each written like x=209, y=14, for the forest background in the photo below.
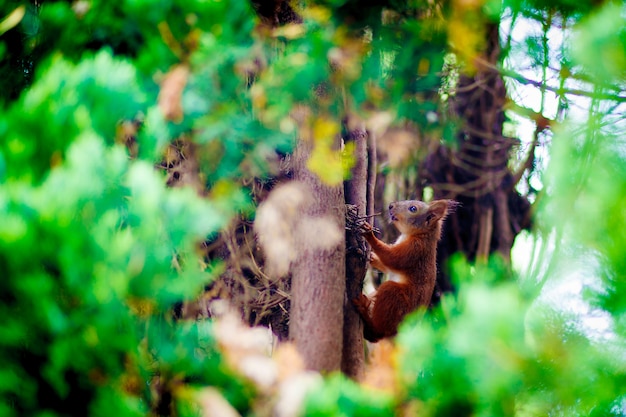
x=178, y=177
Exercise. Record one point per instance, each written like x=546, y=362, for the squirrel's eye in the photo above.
x=412, y=209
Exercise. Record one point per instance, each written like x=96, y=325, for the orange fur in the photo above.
x=411, y=263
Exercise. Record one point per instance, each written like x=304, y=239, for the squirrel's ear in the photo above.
x=452, y=206
x=437, y=209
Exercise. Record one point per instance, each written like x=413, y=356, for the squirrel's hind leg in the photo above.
x=392, y=304
x=363, y=305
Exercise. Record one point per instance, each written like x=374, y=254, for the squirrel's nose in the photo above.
x=390, y=206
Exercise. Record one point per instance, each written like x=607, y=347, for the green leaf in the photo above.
x=13, y=19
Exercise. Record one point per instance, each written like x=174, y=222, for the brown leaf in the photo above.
x=213, y=404
x=170, y=96
x=276, y=220
x=289, y=361
x=381, y=372
x=399, y=145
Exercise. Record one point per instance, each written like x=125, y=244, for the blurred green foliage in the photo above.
x=601, y=44
x=89, y=239
x=340, y=396
x=59, y=107
x=95, y=249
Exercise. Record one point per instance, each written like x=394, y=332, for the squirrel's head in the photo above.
x=415, y=217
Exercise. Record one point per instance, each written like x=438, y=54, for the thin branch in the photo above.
x=540, y=120
x=561, y=91
x=546, y=58
x=558, y=90
x=474, y=188
x=530, y=158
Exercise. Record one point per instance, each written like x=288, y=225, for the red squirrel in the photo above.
x=410, y=263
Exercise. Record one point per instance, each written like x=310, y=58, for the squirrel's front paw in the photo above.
x=366, y=228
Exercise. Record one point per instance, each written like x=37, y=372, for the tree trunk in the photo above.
x=476, y=173
x=372, y=168
x=353, y=356
x=318, y=274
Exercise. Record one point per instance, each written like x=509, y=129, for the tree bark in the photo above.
x=476, y=173
x=353, y=355
x=372, y=168
x=318, y=283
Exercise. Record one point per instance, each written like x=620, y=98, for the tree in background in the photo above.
x=138, y=139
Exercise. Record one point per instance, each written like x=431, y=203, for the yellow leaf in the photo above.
x=326, y=163
x=259, y=98
x=141, y=307
x=423, y=67
x=13, y=19
x=319, y=14
x=298, y=59
x=325, y=130
x=222, y=189
x=466, y=30
x=348, y=158
x=290, y=31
